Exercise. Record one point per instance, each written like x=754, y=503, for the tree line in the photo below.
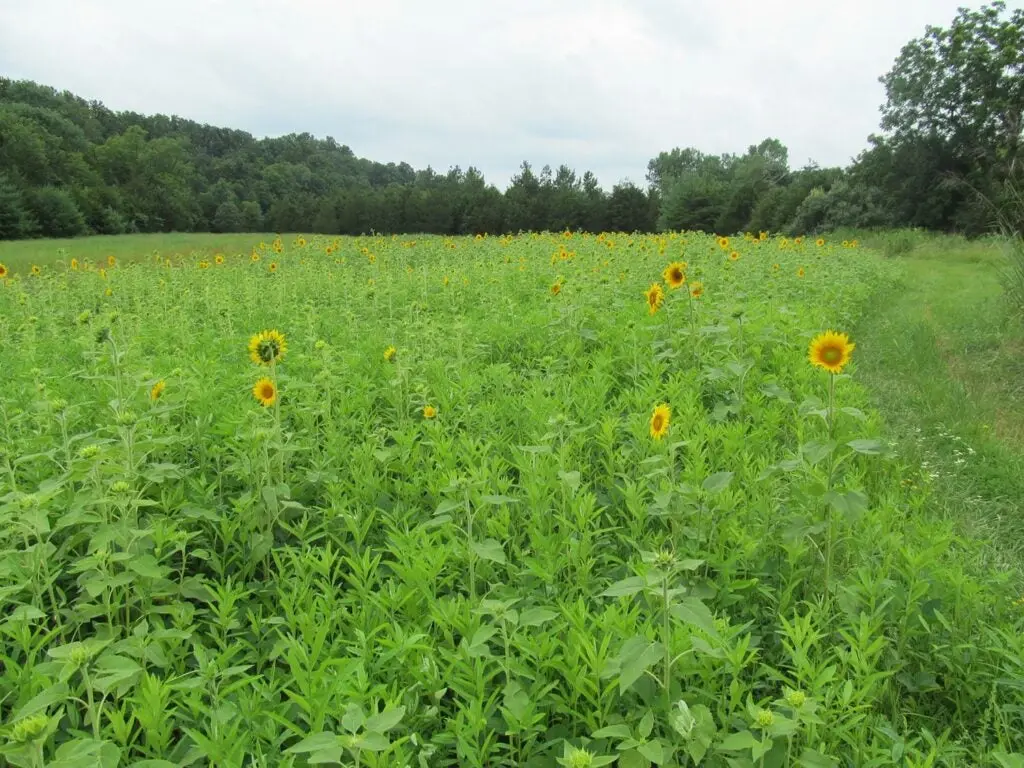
x=947, y=157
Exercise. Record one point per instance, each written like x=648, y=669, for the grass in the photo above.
x=475, y=548
x=943, y=355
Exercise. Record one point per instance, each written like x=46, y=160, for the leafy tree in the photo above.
x=56, y=212
x=228, y=218
x=15, y=220
x=252, y=216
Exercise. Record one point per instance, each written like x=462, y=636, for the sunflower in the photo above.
x=111, y=260
x=265, y=391
x=775, y=267
x=697, y=289
x=267, y=347
x=853, y=243
x=3, y=271
x=204, y=264
x=831, y=351
x=219, y=258
x=675, y=274
x=800, y=272
x=74, y=264
x=36, y=271
x=429, y=411
x=157, y=390
x=819, y=242
x=273, y=266
x=302, y=242
x=390, y=354
x=734, y=256
x=556, y=288
x=659, y=421
x=254, y=257
x=762, y=235
x=799, y=240
x=655, y=295
x=723, y=243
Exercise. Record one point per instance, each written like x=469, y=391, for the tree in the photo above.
x=252, y=216
x=228, y=218
x=15, y=220
x=56, y=212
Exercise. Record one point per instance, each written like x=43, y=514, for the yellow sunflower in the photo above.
x=3, y=271
x=74, y=264
x=800, y=272
x=390, y=354
x=762, y=235
x=302, y=242
x=556, y=288
x=819, y=242
x=723, y=243
x=265, y=391
x=659, y=421
x=655, y=295
x=36, y=271
x=831, y=351
x=697, y=289
x=799, y=240
x=734, y=256
x=273, y=266
x=219, y=258
x=675, y=274
x=111, y=260
x=254, y=257
x=157, y=390
x=429, y=412
x=204, y=264
x=267, y=347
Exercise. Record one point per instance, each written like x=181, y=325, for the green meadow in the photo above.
x=509, y=501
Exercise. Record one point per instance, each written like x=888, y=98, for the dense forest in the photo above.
x=948, y=157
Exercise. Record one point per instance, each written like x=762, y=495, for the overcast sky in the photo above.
x=597, y=84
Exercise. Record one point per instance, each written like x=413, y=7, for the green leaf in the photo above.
x=489, y=549
x=641, y=657
x=148, y=566
x=372, y=741
x=631, y=758
x=1006, y=759
x=153, y=764
x=86, y=753
x=571, y=479
x=315, y=743
x=628, y=586
x=737, y=742
x=447, y=506
x=353, y=718
x=646, y=725
x=386, y=720
x=692, y=611
x=717, y=482
x=653, y=751
x=497, y=500
x=868, y=447
x=847, y=503
x=817, y=450
x=620, y=731
x=703, y=733
x=534, y=617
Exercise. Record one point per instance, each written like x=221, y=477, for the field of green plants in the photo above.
x=538, y=500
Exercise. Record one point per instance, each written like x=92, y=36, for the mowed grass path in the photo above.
x=943, y=355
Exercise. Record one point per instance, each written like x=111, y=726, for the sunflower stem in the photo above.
x=831, y=467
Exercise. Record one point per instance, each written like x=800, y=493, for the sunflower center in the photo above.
x=659, y=422
x=269, y=350
x=831, y=355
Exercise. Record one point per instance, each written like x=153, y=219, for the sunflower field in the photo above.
x=497, y=501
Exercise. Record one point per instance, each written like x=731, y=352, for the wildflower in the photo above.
x=36, y=271
x=302, y=242
x=254, y=257
x=697, y=289
x=723, y=243
x=765, y=718
x=3, y=271
x=111, y=260
x=219, y=258
x=204, y=264
x=556, y=288
x=831, y=351
x=429, y=412
x=675, y=274
x=29, y=728
x=655, y=295
x=659, y=421
x=265, y=392
x=267, y=347
x=762, y=235
x=796, y=699
x=734, y=256
x=74, y=265
x=157, y=390
x=390, y=354
x=819, y=242
x=273, y=266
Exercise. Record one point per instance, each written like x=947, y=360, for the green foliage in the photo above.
x=15, y=220
x=56, y=212
x=525, y=578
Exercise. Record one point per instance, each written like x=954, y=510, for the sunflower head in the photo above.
x=762, y=235
x=111, y=260
x=556, y=288
x=723, y=243
x=219, y=258
x=265, y=392
x=302, y=242
x=800, y=272
x=697, y=289
x=254, y=257
x=3, y=271
x=36, y=271
x=675, y=274
x=659, y=421
x=655, y=296
x=429, y=412
x=74, y=264
x=157, y=390
x=390, y=354
x=273, y=266
x=819, y=242
x=830, y=350
x=734, y=256
x=267, y=347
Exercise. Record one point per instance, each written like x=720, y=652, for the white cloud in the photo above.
x=597, y=84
